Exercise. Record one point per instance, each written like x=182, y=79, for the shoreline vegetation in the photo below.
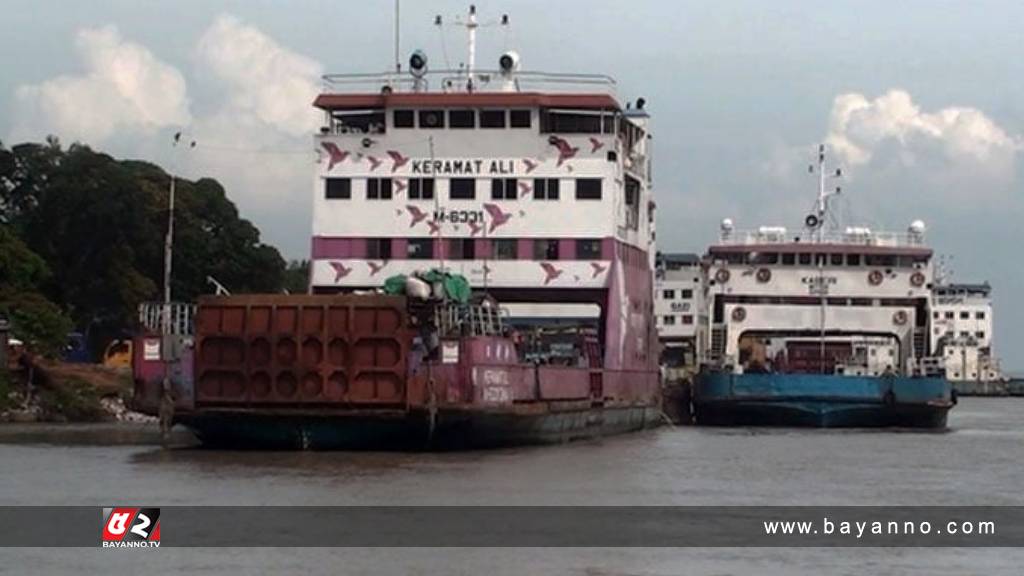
x=81, y=246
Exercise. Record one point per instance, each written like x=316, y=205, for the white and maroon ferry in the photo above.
x=533, y=186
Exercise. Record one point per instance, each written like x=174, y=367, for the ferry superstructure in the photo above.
x=962, y=334
x=536, y=188
x=820, y=326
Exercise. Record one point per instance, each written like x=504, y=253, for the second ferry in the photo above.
x=823, y=327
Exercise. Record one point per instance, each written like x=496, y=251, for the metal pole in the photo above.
x=398, y=63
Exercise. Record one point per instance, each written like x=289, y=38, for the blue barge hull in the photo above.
x=819, y=400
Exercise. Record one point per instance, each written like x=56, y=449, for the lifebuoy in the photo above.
x=764, y=275
x=899, y=317
x=875, y=278
x=917, y=279
x=739, y=314
x=722, y=276
x=812, y=221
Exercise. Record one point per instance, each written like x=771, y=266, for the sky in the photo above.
x=921, y=102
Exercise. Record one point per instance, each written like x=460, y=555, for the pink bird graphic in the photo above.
x=339, y=270
x=498, y=218
x=531, y=165
x=336, y=155
x=400, y=186
x=550, y=271
x=598, y=269
x=475, y=228
x=417, y=215
x=595, y=144
x=565, y=151
x=525, y=189
x=374, y=162
x=375, y=268
x=435, y=227
x=397, y=160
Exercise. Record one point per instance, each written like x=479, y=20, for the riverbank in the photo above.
x=51, y=391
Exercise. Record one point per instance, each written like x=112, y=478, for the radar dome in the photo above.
x=917, y=227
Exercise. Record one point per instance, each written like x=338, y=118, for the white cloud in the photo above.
x=124, y=88
x=263, y=79
x=859, y=128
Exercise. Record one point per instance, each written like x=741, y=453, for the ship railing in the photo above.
x=457, y=80
x=469, y=320
x=177, y=317
x=771, y=235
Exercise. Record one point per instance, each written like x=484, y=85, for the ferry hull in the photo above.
x=400, y=430
x=824, y=401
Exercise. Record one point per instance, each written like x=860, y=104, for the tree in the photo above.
x=38, y=322
x=99, y=225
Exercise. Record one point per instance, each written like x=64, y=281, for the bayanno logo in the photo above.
x=131, y=527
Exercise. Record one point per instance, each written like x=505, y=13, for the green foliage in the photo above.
x=86, y=232
x=73, y=400
x=6, y=388
x=36, y=321
x=296, y=277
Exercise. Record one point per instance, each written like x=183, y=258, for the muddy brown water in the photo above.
x=979, y=461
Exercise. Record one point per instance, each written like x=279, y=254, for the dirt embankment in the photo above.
x=43, y=390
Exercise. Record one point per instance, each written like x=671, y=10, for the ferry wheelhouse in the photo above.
x=820, y=326
x=535, y=188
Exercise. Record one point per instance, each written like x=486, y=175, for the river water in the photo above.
x=979, y=461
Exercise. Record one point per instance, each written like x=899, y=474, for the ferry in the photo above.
x=820, y=327
x=533, y=187
x=962, y=335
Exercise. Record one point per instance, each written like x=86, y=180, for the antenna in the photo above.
x=470, y=23
x=816, y=221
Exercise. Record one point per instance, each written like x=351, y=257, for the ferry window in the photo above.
x=965, y=315
x=686, y=294
x=608, y=124
x=788, y=259
x=421, y=189
x=420, y=248
x=763, y=258
x=861, y=302
x=965, y=334
x=819, y=259
x=461, y=249
x=588, y=188
x=545, y=249
x=570, y=123
x=431, y=118
x=880, y=260
x=545, y=188
x=588, y=249
x=950, y=315
x=503, y=188
x=492, y=118
x=519, y=118
x=805, y=259
x=462, y=118
x=668, y=294
x=935, y=314
x=836, y=259
x=378, y=248
x=505, y=249
x=402, y=118
x=687, y=319
x=378, y=189
x=979, y=334
x=361, y=122
x=669, y=320
x=338, y=188
x=853, y=259
x=979, y=315
x=462, y=189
